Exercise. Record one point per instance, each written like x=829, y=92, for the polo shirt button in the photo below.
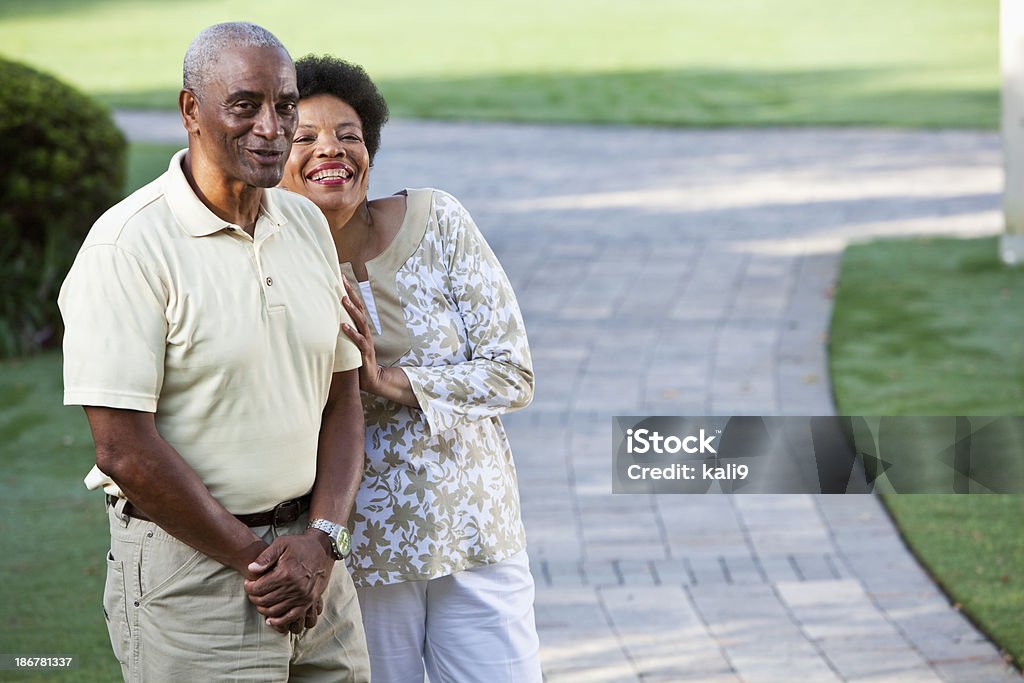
x=270, y=282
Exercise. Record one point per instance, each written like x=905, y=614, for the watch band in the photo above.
x=341, y=537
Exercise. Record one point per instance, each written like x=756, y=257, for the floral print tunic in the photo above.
x=439, y=491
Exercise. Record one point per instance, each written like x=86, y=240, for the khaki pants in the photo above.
x=174, y=614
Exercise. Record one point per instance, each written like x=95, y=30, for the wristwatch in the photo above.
x=341, y=537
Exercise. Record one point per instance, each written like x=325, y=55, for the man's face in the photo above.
x=247, y=114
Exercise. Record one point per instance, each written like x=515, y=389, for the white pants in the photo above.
x=474, y=625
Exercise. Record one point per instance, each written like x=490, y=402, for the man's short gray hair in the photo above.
x=212, y=41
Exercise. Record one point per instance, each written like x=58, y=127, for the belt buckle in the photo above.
x=278, y=510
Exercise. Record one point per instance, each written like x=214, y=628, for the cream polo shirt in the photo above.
x=230, y=340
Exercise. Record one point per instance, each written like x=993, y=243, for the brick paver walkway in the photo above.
x=690, y=273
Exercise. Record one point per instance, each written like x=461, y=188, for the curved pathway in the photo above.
x=688, y=272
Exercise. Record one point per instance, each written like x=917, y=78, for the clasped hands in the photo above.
x=287, y=580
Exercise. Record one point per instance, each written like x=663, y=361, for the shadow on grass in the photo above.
x=681, y=97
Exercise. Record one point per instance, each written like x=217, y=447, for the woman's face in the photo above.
x=328, y=161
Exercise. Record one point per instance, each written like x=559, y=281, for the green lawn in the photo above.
x=928, y=327
x=145, y=162
x=934, y=327
x=667, y=62
x=54, y=530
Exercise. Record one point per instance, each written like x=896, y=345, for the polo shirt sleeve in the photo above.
x=115, y=330
x=346, y=353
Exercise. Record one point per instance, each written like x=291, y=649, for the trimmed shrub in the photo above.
x=61, y=166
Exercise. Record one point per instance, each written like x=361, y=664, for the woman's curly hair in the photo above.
x=327, y=75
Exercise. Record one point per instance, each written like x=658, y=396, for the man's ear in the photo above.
x=188, y=104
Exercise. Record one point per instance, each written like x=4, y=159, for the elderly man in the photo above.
x=203, y=339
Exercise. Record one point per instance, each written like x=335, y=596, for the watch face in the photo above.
x=344, y=541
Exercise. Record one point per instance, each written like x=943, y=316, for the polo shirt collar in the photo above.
x=195, y=217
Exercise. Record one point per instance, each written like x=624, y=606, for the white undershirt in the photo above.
x=371, y=306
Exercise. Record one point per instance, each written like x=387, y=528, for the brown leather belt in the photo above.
x=283, y=513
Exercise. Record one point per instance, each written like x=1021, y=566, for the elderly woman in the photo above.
x=438, y=547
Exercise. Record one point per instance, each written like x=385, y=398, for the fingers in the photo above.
x=294, y=618
x=352, y=302
x=278, y=603
x=279, y=617
x=269, y=588
x=358, y=315
x=289, y=595
x=354, y=305
x=267, y=559
x=314, y=612
x=290, y=615
x=361, y=335
x=362, y=343
x=283, y=631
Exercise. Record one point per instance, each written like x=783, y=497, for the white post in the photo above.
x=1011, y=58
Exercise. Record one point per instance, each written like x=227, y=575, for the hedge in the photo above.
x=61, y=166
